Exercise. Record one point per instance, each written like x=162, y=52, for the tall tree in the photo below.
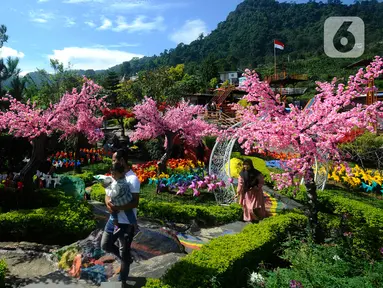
x=312, y=134
x=181, y=120
x=3, y=35
x=53, y=85
x=76, y=112
x=8, y=70
x=110, y=84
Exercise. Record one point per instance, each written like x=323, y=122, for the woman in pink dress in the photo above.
x=250, y=182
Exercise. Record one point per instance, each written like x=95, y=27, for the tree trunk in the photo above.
x=169, y=147
x=312, y=204
x=121, y=121
x=38, y=156
x=77, y=169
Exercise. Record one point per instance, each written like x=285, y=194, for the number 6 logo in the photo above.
x=343, y=37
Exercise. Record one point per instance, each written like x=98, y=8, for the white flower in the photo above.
x=256, y=278
x=336, y=258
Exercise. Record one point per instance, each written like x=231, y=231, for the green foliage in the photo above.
x=362, y=216
x=365, y=150
x=184, y=213
x=213, y=83
x=154, y=148
x=129, y=123
x=3, y=271
x=50, y=87
x=86, y=176
x=91, y=170
x=65, y=223
x=226, y=256
x=97, y=193
x=181, y=209
x=99, y=168
x=323, y=266
x=209, y=141
x=112, y=122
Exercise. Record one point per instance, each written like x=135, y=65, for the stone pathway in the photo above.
x=35, y=269
x=30, y=265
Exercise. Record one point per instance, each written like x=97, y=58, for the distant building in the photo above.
x=231, y=76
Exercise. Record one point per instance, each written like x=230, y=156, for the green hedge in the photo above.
x=3, y=270
x=184, y=213
x=91, y=170
x=222, y=261
x=97, y=193
x=180, y=212
x=362, y=217
x=65, y=223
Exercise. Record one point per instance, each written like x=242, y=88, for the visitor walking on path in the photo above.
x=250, y=183
x=126, y=224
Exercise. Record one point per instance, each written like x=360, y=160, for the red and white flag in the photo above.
x=279, y=45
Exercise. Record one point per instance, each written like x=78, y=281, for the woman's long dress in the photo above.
x=250, y=200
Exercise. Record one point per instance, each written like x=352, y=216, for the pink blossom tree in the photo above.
x=312, y=133
x=76, y=112
x=181, y=119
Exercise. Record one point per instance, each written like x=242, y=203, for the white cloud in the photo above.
x=139, y=5
x=119, y=45
x=70, y=22
x=90, y=23
x=81, y=1
x=40, y=16
x=189, y=31
x=42, y=1
x=10, y=52
x=139, y=24
x=91, y=58
x=106, y=24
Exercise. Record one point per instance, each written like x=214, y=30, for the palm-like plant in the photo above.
x=8, y=69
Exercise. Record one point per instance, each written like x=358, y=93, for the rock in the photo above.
x=194, y=227
x=228, y=229
x=154, y=267
x=27, y=246
x=179, y=227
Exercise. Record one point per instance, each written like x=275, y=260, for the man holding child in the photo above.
x=126, y=218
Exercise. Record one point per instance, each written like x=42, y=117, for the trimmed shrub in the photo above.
x=3, y=270
x=223, y=259
x=97, y=193
x=184, y=213
x=99, y=168
x=69, y=221
x=178, y=211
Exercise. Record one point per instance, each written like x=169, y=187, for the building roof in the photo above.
x=360, y=63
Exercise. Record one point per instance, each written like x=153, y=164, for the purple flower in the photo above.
x=295, y=284
x=381, y=251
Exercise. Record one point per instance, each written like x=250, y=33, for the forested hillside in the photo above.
x=245, y=39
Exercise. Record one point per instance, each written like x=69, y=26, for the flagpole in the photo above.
x=275, y=60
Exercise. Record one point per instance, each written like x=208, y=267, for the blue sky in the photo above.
x=98, y=34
